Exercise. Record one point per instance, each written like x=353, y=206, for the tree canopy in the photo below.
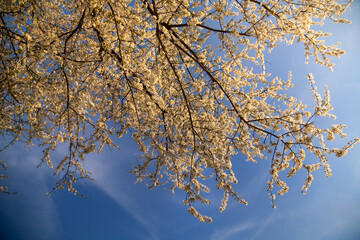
x=187, y=78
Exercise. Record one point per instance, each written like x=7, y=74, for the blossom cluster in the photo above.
x=185, y=78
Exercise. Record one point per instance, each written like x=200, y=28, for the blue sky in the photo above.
x=118, y=209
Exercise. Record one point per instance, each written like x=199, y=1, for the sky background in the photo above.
x=118, y=209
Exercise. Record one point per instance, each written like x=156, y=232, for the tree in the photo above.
x=186, y=78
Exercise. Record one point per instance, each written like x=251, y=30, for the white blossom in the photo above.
x=174, y=74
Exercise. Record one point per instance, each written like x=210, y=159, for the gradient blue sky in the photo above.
x=118, y=209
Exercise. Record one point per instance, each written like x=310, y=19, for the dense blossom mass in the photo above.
x=186, y=78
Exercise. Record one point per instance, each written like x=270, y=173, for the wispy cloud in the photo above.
x=30, y=210
x=110, y=178
x=228, y=232
x=271, y=218
x=258, y=226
